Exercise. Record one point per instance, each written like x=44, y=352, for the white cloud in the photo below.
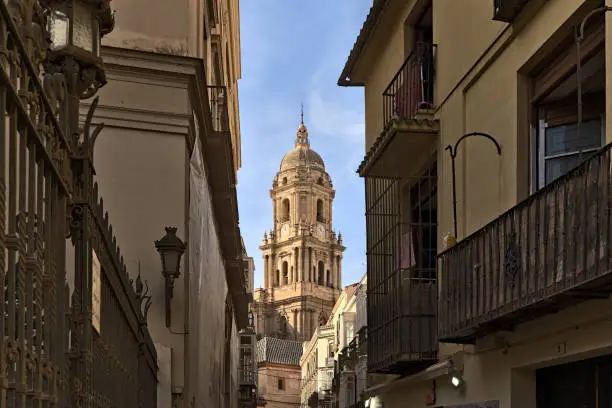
x=332, y=119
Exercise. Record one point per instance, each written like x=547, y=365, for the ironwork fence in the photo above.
x=76, y=340
x=412, y=87
x=550, y=251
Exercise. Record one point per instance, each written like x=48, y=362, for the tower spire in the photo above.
x=302, y=113
x=301, y=137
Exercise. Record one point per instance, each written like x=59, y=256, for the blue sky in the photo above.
x=292, y=52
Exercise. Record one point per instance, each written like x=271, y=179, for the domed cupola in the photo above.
x=302, y=155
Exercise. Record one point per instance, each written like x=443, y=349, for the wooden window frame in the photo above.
x=552, y=73
x=564, y=65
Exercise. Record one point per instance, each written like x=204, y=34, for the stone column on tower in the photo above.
x=333, y=271
x=266, y=268
x=298, y=263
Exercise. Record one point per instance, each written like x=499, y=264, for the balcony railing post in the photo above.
x=409, y=90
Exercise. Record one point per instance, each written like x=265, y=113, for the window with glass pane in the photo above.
x=562, y=150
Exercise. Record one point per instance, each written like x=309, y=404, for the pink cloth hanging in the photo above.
x=408, y=259
x=410, y=93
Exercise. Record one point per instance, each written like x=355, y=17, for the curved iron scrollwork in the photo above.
x=142, y=295
x=76, y=217
x=453, y=154
x=512, y=258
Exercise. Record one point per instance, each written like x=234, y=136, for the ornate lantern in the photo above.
x=170, y=249
x=76, y=28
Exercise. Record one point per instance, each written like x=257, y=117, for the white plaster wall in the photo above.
x=164, y=375
x=208, y=291
x=141, y=170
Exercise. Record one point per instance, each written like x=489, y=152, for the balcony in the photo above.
x=549, y=252
x=362, y=343
x=401, y=271
x=408, y=125
x=348, y=357
x=507, y=10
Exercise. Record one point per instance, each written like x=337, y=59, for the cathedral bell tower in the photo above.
x=302, y=254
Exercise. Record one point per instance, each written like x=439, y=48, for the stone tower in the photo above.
x=302, y=254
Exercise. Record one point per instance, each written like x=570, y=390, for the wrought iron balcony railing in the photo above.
x=411, y=88
x=362, y=343
x=546, y=253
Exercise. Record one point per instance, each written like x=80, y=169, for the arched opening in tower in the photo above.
x=277, y=282
x=283, y=326
x=286, y=210
x=285, y=273
x=320, y=210
x=321, y=274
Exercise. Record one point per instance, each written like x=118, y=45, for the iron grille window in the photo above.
x=401, y=219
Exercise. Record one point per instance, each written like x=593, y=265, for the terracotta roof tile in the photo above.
x=279, y=351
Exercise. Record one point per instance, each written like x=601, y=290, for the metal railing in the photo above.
x=75, y=339
x=362, y=344
x=401, y=254
x=411, y=88
x=549, y=251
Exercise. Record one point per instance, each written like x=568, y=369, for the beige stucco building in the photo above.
x=523, y=304
x=169, y=156
x=302, y=253
x=320, y=354
x=317, y=368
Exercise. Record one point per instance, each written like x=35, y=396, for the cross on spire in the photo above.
x=302, y=113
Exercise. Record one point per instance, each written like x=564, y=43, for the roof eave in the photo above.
x=363, y=37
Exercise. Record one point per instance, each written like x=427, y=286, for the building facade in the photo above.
x=363, y=378
x=494, y=137
x=350, y=378
x=278, y=372
x=247, y=394
x=168, y=157
x=323, y=355
x=302, y=253
x=317, y=368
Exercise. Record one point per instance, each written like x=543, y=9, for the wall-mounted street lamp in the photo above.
x=76, y=28
x=456, y=379
x=171, y=249
x=374, y=402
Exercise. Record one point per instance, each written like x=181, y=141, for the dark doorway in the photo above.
x=582, y=384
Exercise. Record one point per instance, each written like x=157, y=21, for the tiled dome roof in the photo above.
x=302, y=155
